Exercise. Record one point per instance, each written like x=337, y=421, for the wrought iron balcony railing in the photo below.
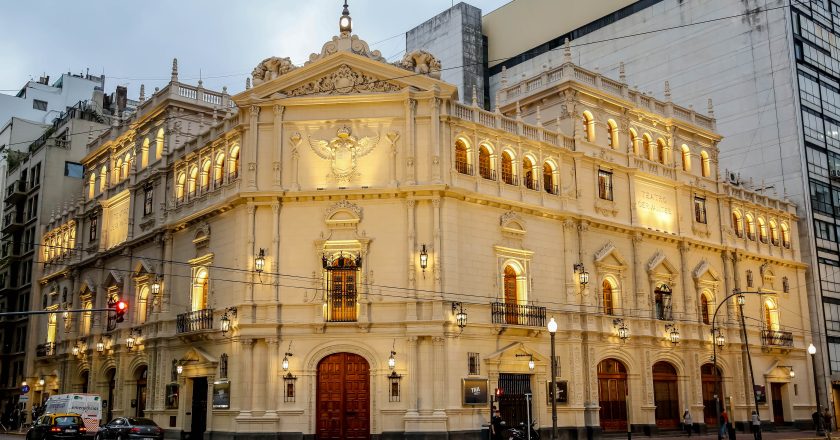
x=517, y=314
x=195, y=321
x=341, y=307
x=45, y=349
x=776, y=338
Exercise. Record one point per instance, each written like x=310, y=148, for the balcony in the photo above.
x=16, y=192
x=190, y=322
x=776, y=338
x=517, y=314
x=45, y=349
x=12, y=222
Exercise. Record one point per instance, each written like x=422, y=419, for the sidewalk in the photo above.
x=767, y=435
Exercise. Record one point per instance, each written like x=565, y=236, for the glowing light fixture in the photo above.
x=424, y=258
x=259, y=262
x=345, y=23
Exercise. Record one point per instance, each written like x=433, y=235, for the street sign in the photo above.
x=23, y=399
x=24, y=389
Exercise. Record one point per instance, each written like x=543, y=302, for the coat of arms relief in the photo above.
x=342, y=151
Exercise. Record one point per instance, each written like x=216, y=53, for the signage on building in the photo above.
x=171, y=396
x=221, y=394
x=561, y=392
x=24, y=389
x=475, y=391
x=656, y=206
x=760, y=394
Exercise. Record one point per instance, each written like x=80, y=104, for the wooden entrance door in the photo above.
x=707, y=376
x=665, y=395
x=612, y=395
x=198, y=422
x=778, y=407
x=343, y=397
x=140, y=395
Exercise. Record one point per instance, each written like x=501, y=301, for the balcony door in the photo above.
x=511, y=296
x=342, y=276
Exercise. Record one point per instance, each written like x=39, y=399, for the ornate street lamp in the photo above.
x=154, y=287
x=259, y=262
x=285, y=363
x=460, y=315
x=424, y=258
x=720, y=341
x=531, y=363
x=673, y=333
x=583, y=275
x=621, y=329
x=224, y=323
x=75, y=350
x=813, y=351
x=552, y=329
x=41, y=381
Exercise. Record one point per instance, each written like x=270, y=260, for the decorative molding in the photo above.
x=512, y=223
x=271, y=68
x=342, y=151
x=353, y=215
x=421, y=62
x=342, y=81
x=351, y=43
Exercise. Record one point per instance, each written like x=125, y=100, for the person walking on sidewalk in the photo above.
x=827, y=423
x=687, y=423
x=756, y=426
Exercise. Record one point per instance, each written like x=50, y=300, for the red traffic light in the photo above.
x=122, y=306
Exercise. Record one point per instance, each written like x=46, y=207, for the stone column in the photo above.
x=209, y=416
x=277, y=150
x=412, y=361
x=411, y=312
x=638, y=272
x=247, y=376
x=440, y=375
x=275, y=257
x=252, y=146
x=410, y=114
x=687, y=307
x=436, y=139
x=250, y=250
x=273, y=390
x=437, y=248
x=569, y=244
x=167, y=270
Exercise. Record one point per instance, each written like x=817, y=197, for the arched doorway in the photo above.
x=140, y=393
x=612, y=395
x=111, y=376
x=343, y=404
x=85, y=381
x=708, y=378
x=665, y=395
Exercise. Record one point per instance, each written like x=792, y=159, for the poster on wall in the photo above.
x=172, y=396
x=221, y=394
x=760, y=393
x=475, y=391
x=561, y=392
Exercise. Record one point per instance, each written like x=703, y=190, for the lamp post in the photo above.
x=741, y=301
x=818, y=421
x=552, y=329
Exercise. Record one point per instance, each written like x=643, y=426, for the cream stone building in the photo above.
x=353, y=253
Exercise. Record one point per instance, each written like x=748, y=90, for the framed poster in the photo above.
x=475, y=391
x=221, y=394
x=561, y=392
x=760, y=394
x=172, y=396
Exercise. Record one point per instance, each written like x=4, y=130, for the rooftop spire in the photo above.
x=174, y=70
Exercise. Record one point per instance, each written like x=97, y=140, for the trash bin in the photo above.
x=485, y=432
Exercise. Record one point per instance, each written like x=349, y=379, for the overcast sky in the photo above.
x=133, y=42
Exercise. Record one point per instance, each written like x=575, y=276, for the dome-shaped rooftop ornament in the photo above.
x=345, y=23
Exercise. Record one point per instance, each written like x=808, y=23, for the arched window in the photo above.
x=485, y=168
x=92, y=186
x=662, y=150
x=87, y=315
x=662, y=302
x=142, y=304
x=686, y=158
x=528, y=173
x=612, y=132
x=634, y=141
x=647, y=146
x=126, y=165
x=738, y=224
x=705, y=318
x=192, y=180
x=774, y=233
x=159, y=144
x=219, y=169
x=548, y=179
x=762, y=230
x=180, y=186
x=771, y=315
x=750, y=227
x=507, y=168
x=118, y=167
x=233, y=162
x=706, y=163
x=52, y=327
x=103, y=178
x=511, y=296
x=589, y=126
x=205, y=175
x=200, y=289
x=144, y=154
x=462, y=161
x=785, y=236
x=607, y=295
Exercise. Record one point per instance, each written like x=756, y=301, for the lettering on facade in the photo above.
x=655, y=207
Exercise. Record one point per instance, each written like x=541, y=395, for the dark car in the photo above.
x=130, y=428
x=57, y=426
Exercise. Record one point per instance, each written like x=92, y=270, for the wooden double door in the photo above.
x=666, y=396
x=343, y=397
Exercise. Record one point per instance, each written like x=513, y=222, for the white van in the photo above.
x=89, y=406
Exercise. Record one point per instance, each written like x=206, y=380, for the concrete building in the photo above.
x=42, y=102
x=354, y=252
x=769, y=68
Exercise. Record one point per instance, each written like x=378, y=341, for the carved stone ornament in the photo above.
x=343, y=151
x=351, y=43
x=344, y=205
x=342, y=81
x=421, y=62
x=271, y=68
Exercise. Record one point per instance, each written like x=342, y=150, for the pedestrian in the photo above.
x=687, y=423
x=496, y=425
x=827, y=423
x=724, y=421
x=817, y=419
x=756, y=426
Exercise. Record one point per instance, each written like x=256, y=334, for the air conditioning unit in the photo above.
x=734, y=178
x=834, y=174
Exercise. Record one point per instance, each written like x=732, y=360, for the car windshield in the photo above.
x=68, y=420
x=142, y=422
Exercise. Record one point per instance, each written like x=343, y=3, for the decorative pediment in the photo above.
x=343, y=214
x=350, y=43
x=512, y=223
x=658, y=259
x=705, y=272
x=143, y=267
x=509, y=352
x=342, y=81
x=608, y=255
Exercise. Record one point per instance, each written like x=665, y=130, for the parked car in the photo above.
x=130, y=428
x=57, y=426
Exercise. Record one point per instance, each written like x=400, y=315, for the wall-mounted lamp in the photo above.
x=179, y=368
x=75, y=350
x=790, y=370
x=154, y=287
x=460, y=315
x=286, y=356
x=424, y=259
x=392, y=360
x=621, y=329
x=583, y=275
x=673, y=333
x=100, y=346
x=531, y=363
x=132, y=338
x=224, y=323
x=259, y=261
x=41, y=381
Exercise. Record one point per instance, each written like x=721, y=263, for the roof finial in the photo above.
x=174, y=70
x=667, y=91
x=621, y=75
x=567, y=51
x=475, y=96
x=710, y=108
x=142, y=92
x=345, y=23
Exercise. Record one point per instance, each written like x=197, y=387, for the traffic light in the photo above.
x=120, y=308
